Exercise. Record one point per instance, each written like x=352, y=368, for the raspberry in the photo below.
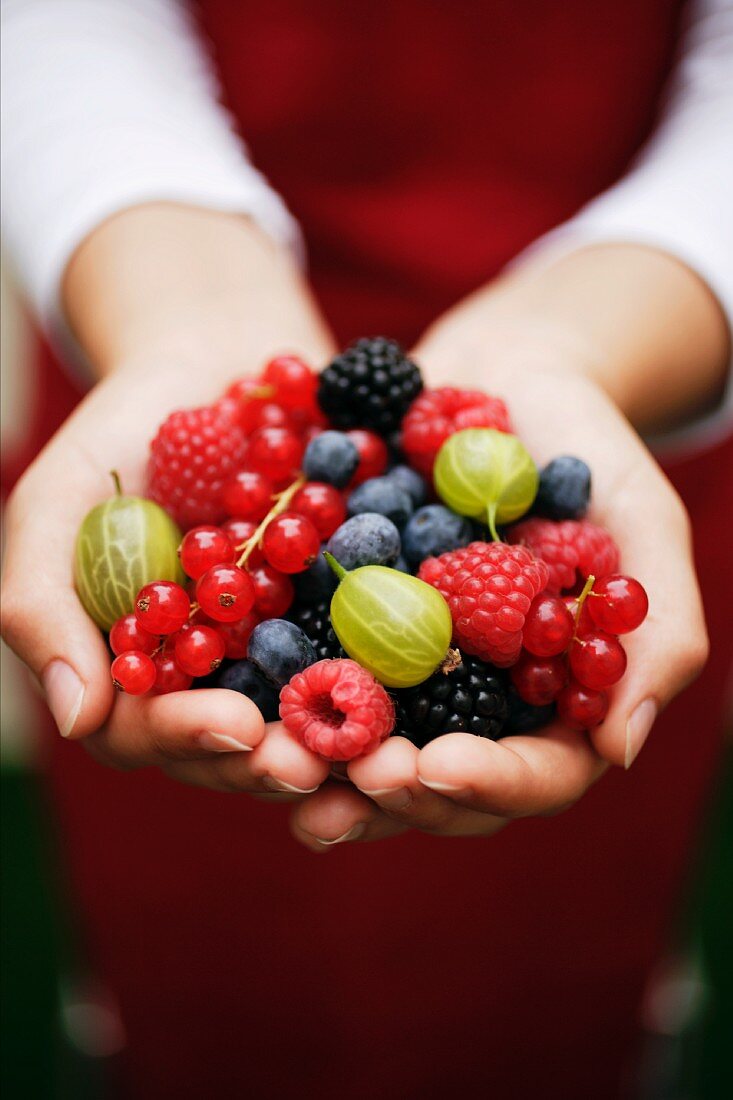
x=194, y=453
x=568, y=547
x=337, y=709
x=489, y=587
x=437, y=414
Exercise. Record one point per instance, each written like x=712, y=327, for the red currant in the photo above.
x=240, y=531
x=548, y=627
x=127, y=634
x=539, y=680
x=271, y=415
x=199, y=650
x=133, y=672
x=294, y=381
x=225, y=593
x=585, y=624
x=276, y=452
x=248, y=495
x=162, y=607
x=580, y=708
x=250, y=395
x=291, y=543
x=373, y=455
x=274, y=592
x=203, y=547
x=236, y=635
x=618, y=604
x=597, y=660
x=168, y=676
x=322, y=504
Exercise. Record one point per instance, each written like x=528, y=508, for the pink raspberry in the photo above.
x=436, y=414
x=489, y=587
x=337, y=709
x=568, y=547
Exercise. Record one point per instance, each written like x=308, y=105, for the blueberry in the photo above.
x=316, y=583
x=366, y=539
x=564, y=489
x=331, y=457
x=244, y=678
x=382, y=495
x=402, y=564
x=412, y=482
x=433, y=530
x=279, y=650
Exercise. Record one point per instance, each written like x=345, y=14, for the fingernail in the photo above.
x=64, y=695
x=391, y=798
x=273, y=784
x=637, y=729
x=354, y=832
x=442, y=788
x=221, y=742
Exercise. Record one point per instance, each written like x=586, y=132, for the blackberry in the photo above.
x=470, y=699
x=523, y=717
x=370, y=385
x=315, y=622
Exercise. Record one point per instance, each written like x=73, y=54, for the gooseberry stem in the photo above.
x=491, y=519
x=118, y=484
x=338, y=569
x=587, y=588
x=282, y=500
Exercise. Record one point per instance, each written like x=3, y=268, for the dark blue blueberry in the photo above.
x=433, y=530
x=564, y=490
x=382, y=495
x=331, y=457
x=316, y=583
x=244, y=678
x=279, y=650
x=523, y=717
x=366, y=539
x=402, y=565
x=411, y=481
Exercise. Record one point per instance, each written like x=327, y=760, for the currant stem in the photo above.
x=118, y=484
x=587, y=588
x=491, y=519
x=282, y=500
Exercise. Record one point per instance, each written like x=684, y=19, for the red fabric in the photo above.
x=420, y=145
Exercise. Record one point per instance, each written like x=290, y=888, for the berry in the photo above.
x=203, y=547
x=569, y=547
x=236, y=635
x=549, y=626
x=239, y=532
x=412, y=482
x=191, y=458
x=486, y=474
x=489, y=588
x=322, y=504
x=539, y=680
x=168, y=676
x=291, y=543
x=162, y=607
x=133, y=672
x=564, y=489
x=225, y=593
x=248, y=495
x=471, y=698
x=402, y=565
x=370, y=385
x=366, y=539
x=279, y=650
x=249, y=396
x=315, y=584
x=373, y=454
x=617, y=604
x=337, y=709
x=294, y=382
x=244, y=678
x=523, y=717
x=433, y=530
x=383, y=496
x=199, y=651
x=331, y=457
x=273, y=591
x=580, y=708
x=438, y=414
x=597, y=660
x=276, y=452
x=127, y=634
x=315, y=621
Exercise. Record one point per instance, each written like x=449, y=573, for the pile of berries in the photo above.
x=325, y=574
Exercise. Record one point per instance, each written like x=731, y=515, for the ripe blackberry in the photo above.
x=370, y=385
x=472, y=699
x=315, y=622
x=523, y=717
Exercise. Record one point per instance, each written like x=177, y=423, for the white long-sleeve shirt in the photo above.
x=110, y=103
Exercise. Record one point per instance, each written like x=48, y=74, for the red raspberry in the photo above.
x=337, y=709
x=436, y=414
x=194, y=453
x=489, y=587
x=568, y=547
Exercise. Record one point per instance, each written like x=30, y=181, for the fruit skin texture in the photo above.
x=394, y=625
x=291, y=543
x=489, y=588
x=539, y=680
x=336, y=709
x=331, y=457
x=315, y=621
x=569, y=547
x=122, y=545
x=564, y=490
x=383, y=496
x=486, y=474
x=279, y=650
x=549, y=626
x=597, y=660
x=433, y=530
x=618, y=604
x=193, y=455
x=366, y=539
x=370, y=385
x=471, y=698
x=438, y=414
x=580, y=708
x=244, y=678
x=127, y=634
x=133, y=672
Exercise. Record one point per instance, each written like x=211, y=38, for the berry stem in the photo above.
x=338, y=569
x=117, y=483
x=491, y=520
x=587, y=588
x=282, y=500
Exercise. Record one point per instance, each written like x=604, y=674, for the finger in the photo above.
x=515, y=777
x=278, y=764
x=338, y=814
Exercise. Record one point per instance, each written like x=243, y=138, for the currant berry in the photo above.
x=597, y=660
x=322, y=504
x=373, y=455
x=239, y=532
x=294, y=382
x=584, y=624
x=273, y=592
x=168, y=676
x=276, y=452
x=199, y=650
x=618, y=604
x=291, y=543
x=127, y=634
x=548, y=627
x=580, y=708
x=236, y=635
x=248, y=495
x=203, y=547
x=225, y=593
x=539, y=680
x=162, y=607
x=133, y=672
